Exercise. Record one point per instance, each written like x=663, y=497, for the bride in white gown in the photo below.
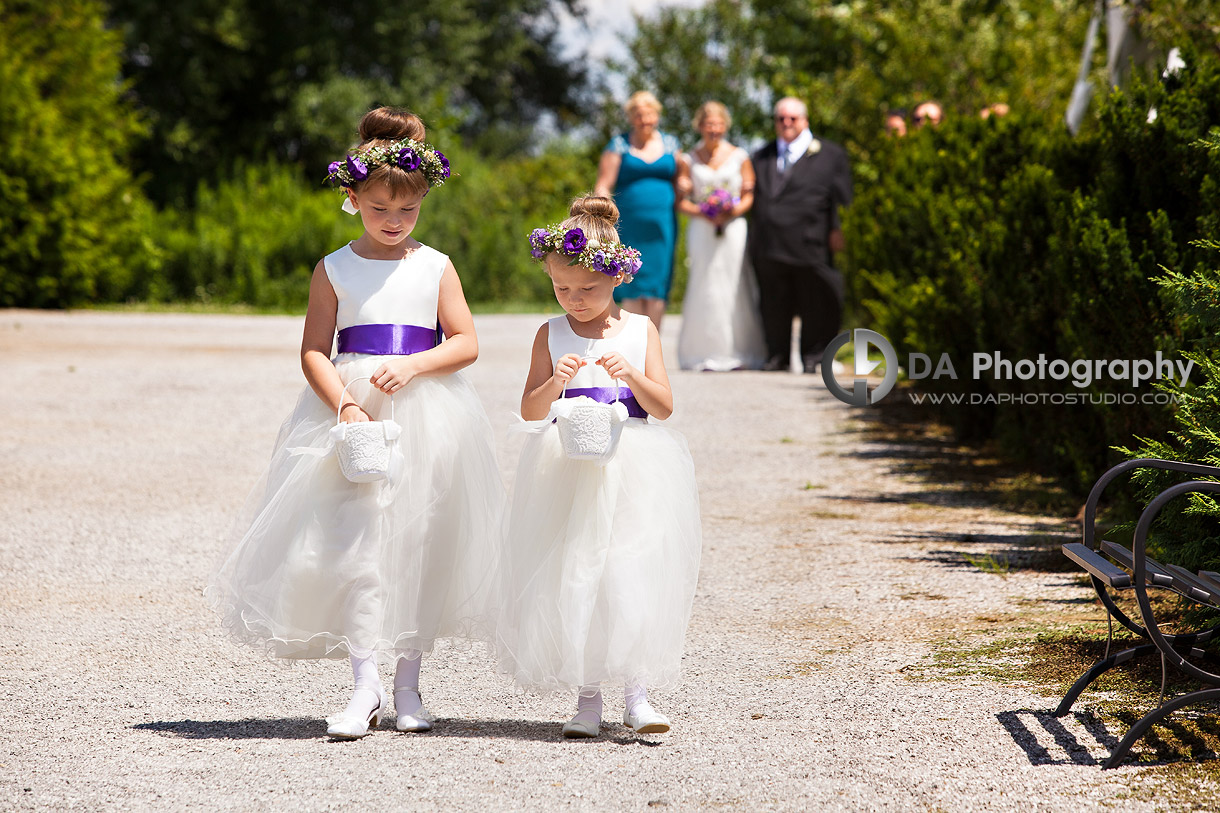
x=721, y=326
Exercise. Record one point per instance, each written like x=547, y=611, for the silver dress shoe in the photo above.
x=581, y=729
x=347, y=726
x=646, y=720
x=419, y=721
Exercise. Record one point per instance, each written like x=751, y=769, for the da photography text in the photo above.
x=1081, y=372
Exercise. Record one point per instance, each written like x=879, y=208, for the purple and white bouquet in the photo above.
x=715, y=203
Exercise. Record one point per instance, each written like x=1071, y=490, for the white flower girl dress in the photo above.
x=600, y=561
x=322, y=567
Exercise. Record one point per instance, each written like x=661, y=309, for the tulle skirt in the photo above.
x=321, y=567
x=600, y=563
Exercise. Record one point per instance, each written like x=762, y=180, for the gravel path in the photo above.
x=130, y=440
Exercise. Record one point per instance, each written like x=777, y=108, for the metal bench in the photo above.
x=1113, y=567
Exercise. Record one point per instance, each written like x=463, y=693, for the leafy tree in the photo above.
x=687, y=56
x=851, y=61
x=72, y=222
x=224, y=81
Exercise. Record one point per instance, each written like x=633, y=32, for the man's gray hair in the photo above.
x=798, y=102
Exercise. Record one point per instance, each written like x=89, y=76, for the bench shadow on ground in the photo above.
x=944, y=476
x=312, y=728
x=1083, y=738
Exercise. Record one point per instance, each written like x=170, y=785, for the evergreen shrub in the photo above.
x=1004, y=235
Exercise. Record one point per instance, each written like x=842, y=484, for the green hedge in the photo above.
x=255, y=238
x=1008, y=235
x=481, y=218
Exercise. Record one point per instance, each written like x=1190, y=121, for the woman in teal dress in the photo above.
x=639, y=170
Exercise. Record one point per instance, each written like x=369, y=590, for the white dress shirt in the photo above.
x=793, y=150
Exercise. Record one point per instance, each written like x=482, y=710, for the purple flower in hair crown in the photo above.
x=610, y=259
x=574, y=242
x=357, y=168
x=406, y=154
x=408, y=159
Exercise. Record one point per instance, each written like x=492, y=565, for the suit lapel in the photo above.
x=769, y=156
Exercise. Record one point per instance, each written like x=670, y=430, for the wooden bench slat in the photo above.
x=1097, y=565
x=1193, y=587
x=1156, y=573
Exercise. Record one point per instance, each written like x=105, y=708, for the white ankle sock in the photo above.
x=368, y=693
x=633, y=696
x=406, y=684
x=589, y=705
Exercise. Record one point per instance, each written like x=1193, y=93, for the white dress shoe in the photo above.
x=421, y=720
x=646, y=720
x=576, y=729
x=346, y=726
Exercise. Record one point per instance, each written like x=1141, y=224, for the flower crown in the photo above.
x=610, y=259
x=405, y=153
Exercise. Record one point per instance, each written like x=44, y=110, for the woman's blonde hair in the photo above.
x=711, y=108
x=641, y=98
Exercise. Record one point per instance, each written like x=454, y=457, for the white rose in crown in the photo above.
x=815, y=147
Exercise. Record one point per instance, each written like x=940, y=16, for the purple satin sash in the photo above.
x=388, y=340
x=605, y=395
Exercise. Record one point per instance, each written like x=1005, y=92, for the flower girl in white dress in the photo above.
x=323, y=567
x=721, y=324
x=601, y=558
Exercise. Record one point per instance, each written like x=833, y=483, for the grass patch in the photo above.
x=989, y=563
x=1182, y=750
x=1050, y=660
x=817, y=514
x=550, y=308
x=230, y=309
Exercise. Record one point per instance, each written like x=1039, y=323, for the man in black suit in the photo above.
x=794, y=228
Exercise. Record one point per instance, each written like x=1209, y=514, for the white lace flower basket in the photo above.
x=588, y=429
x=365, y=449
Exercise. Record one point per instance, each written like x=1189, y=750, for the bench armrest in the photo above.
x=1097, y=565
x=1090, y=505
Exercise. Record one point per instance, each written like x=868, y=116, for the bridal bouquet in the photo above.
x=716, y=202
